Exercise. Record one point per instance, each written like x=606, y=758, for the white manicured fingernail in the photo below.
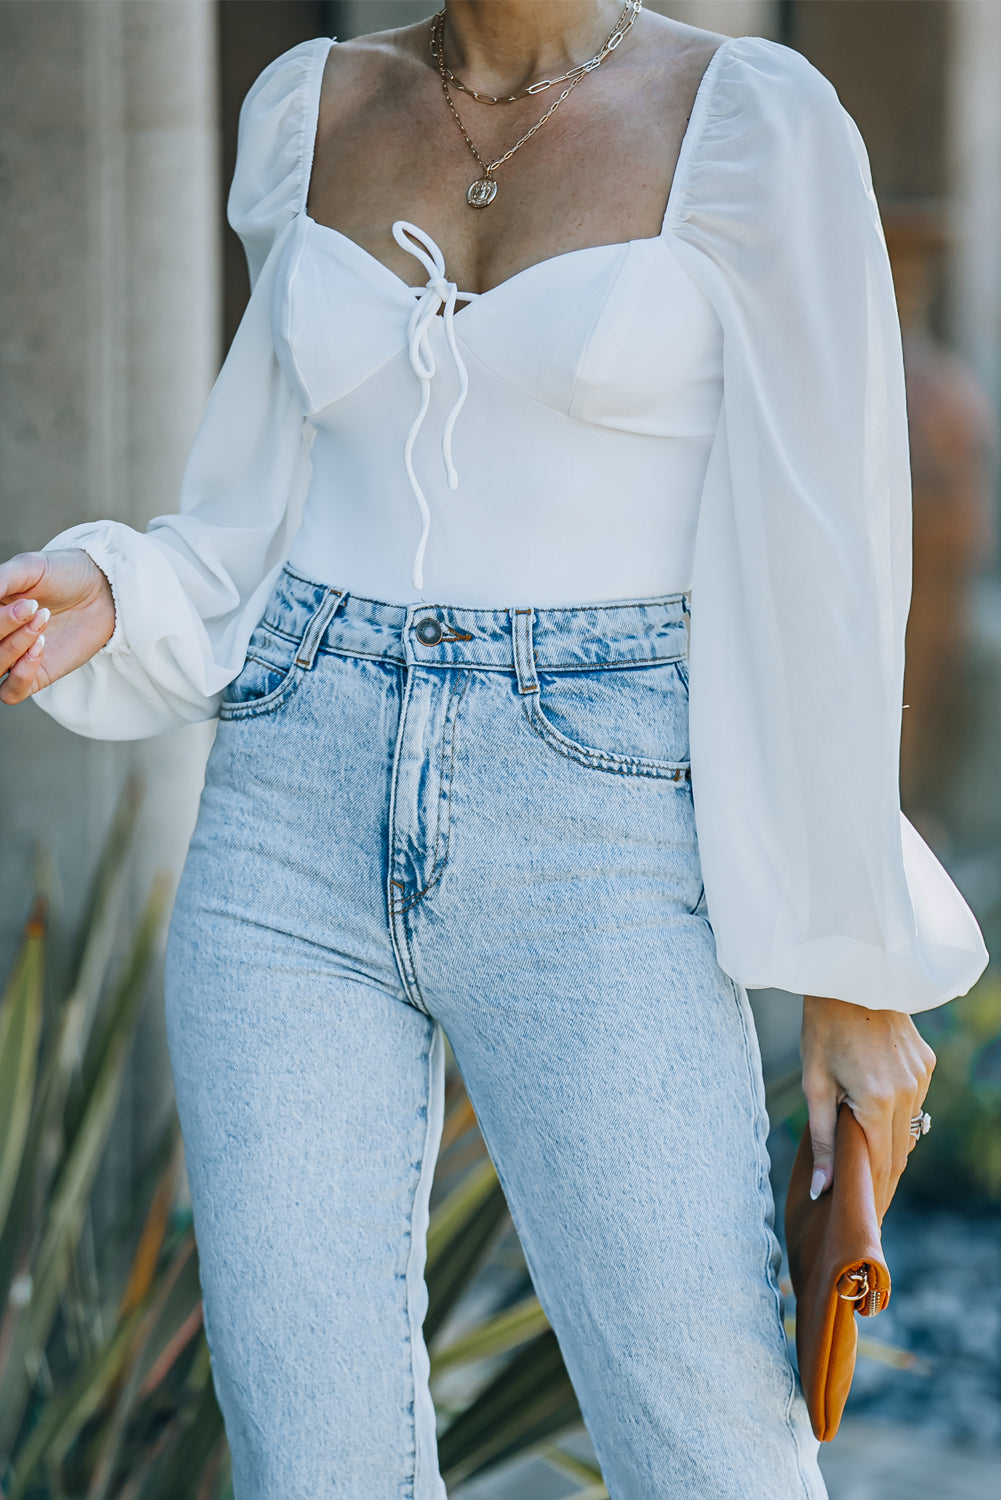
x=24, y=609
x=818, y=1182
x=40, y=618
x=34, y=651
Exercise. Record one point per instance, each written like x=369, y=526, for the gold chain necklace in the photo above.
x=484, y=189
x=610, y=44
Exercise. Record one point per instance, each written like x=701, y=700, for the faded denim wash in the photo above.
x=419, y=819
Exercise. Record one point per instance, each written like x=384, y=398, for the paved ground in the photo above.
x=877, y=1461
x=929, y=1432
x=866, y=1461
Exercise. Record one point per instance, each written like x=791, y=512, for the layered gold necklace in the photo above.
x=484, y=189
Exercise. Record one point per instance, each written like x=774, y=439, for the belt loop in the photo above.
x=524, y=649
x=313, y=634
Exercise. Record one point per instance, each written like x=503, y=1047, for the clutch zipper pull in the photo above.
x=859, y=1280
x=863, y=1293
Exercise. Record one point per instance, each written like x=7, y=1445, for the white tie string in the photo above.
x=437, y=293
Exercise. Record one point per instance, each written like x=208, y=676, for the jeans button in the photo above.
x=429, y=631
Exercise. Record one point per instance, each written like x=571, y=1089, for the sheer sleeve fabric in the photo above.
x=815, y=883
x=189, y=589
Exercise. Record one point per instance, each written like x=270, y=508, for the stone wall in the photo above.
x=109, y=342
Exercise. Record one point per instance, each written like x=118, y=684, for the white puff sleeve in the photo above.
x=189, y=590
x=815, y=883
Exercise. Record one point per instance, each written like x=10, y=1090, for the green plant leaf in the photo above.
x=67, y=1207
x=152, y=1300
x=193, y=1440
x=459, y=1254
x=61, y=1049
x=20, y=1029
x=64, y=1415
x=576, y=1468
x=450, y=1218
x=497, y=1335
x=530, y=1400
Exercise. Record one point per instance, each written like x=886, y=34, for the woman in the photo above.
x=511, y=414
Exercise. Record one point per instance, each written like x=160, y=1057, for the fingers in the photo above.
x=23, y=678
x=922, y=1062
x=13, y=616
x=887, y=1124
x=900, y=1135
x=879, y=1119
x=880, y=1063
x=21, y=624
x=822, y=1099
x=21, y=574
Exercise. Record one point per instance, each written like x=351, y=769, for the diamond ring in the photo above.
x=921, y=1124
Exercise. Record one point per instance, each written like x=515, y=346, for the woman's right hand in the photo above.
x=74, y=618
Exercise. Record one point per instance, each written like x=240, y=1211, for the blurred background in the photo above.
x=121, y=289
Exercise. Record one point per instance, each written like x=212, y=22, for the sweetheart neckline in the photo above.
x=470, y=298
x=687, y=143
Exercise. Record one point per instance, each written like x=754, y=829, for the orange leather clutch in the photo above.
x=837, y=1269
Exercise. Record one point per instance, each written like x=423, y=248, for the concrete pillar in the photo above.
x=974, y=151
x=360, y=17
x=731, y=17
x=973, y=301
x=109, y=343
x=252, y=33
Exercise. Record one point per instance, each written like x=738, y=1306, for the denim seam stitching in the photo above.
x=600, y=760
x=415, y=984
x=408, y=905
x=610, y=666
x=397, y=926
x=416, y=900
x=398, y=910
x=351, y=652
x=525, y=664
x=498, y=666
x=294, y=677
x=762, y=1178
x=316, y=628
x=438, y=864
x=257, y=708
x=411, y=1478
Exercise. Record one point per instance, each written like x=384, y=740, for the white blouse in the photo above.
x=800, y=555
x=476, y=457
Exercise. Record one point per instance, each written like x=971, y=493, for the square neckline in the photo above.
x=699, y=104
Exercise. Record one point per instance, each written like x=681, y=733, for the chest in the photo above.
x=616, y=335
x=596, y=172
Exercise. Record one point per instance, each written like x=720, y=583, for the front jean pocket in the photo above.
x=629, y=720
x=277, y=659
x=269, y=676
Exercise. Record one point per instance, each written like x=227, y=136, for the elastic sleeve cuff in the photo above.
x=95, y=544
x=108, y=562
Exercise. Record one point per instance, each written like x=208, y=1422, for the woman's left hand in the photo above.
x=880, y=1063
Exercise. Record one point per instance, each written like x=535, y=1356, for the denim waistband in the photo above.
x=630, y=632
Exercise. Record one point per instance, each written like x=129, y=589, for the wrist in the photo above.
x=103, y=602
x=825, y=1005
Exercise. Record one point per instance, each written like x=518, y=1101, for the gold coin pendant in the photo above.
x=481, y=192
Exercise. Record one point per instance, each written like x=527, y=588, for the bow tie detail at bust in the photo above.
x=438, y=292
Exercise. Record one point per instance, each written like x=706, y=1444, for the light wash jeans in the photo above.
x=425, y=818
